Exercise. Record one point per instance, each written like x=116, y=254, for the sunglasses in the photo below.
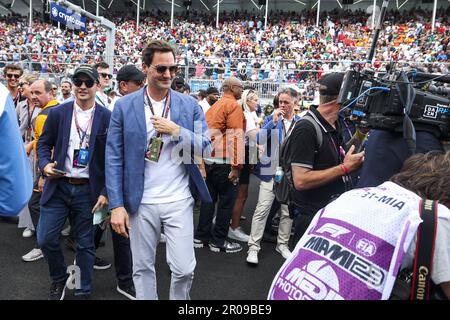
x=162, y=69
x=78, y=83
x=106, y=75
x=10, y=76
x=21, y=84
x=54, y=88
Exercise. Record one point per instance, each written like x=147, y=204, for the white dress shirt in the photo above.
x=84, y=119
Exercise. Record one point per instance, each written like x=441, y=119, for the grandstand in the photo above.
x=254, y=7
x=290, y=50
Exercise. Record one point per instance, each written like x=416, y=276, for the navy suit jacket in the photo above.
x=56, y=137
x=127, y=143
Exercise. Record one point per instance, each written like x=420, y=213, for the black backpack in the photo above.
x=284, y=189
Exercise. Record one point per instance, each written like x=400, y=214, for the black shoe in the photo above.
x=228, y=247
x=57, y=290
x=128, y=291
x=71, y=244
x=101, y=264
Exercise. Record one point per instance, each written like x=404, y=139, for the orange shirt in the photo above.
x=226, y=123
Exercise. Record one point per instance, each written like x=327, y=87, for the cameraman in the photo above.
x=386, y=151
x=320, y=172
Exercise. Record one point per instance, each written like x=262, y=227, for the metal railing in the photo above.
x=266, y=89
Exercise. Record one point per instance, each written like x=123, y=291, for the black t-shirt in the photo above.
x=306, y=153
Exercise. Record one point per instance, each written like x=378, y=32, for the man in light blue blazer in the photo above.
x=153, y=137
x=277, y=127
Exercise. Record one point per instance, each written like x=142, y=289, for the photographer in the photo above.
x=360, y=229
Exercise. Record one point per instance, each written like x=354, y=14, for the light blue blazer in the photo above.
x=127, y=142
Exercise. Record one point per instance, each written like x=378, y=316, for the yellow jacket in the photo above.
x=40, y=121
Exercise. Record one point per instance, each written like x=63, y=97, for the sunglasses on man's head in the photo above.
x=162, y=68
x=10, y=76
x=78, y=83
x=106, y=75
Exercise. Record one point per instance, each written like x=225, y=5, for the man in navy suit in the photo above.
x=147, y=182
x=73, y=142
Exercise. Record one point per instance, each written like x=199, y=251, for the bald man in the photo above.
x=226, y=123
x=42, y=96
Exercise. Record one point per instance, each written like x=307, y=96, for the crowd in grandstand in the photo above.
x=290, y=47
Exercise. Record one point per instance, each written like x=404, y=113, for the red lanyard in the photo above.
x=83, y=133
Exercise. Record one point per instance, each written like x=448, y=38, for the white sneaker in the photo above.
x=27, y=233
x=238, y=235
x=283, y=250
x=252, y=256
x=163, y=238
x=33, y=255
x=65, y=232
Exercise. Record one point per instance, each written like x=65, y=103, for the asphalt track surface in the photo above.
x=218, y=276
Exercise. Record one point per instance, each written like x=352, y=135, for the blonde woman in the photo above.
x=249, y=102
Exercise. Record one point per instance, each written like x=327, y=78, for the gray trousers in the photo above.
x=177, y=220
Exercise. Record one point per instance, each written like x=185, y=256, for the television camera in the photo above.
x=398, y=99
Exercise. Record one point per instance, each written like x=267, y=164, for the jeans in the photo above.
x=223, y=192
x=33, y=205
x=123, y=262
x=77, y=201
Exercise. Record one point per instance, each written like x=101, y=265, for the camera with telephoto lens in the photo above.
x=398, y=101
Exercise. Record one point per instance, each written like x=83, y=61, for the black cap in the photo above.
x=212, y=90
x=178, y=81
x=130, y=73
x=330, y=84
x=88, y=70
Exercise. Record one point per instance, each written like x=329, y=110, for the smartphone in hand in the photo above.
x=60, y=172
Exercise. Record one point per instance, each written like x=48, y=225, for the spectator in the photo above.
x=105, y=79
x=12, y=73
x=212, y=95
x=145, y=194
x=227, y=123
x=80, y=190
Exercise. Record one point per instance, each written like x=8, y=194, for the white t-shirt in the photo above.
x=84, y=119
x=250, y=120
x=205, y=105
x=165, y=181
x=441, y=259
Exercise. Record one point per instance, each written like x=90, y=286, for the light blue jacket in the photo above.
x=127, y=142
x=265, y=169
x=16, y=182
